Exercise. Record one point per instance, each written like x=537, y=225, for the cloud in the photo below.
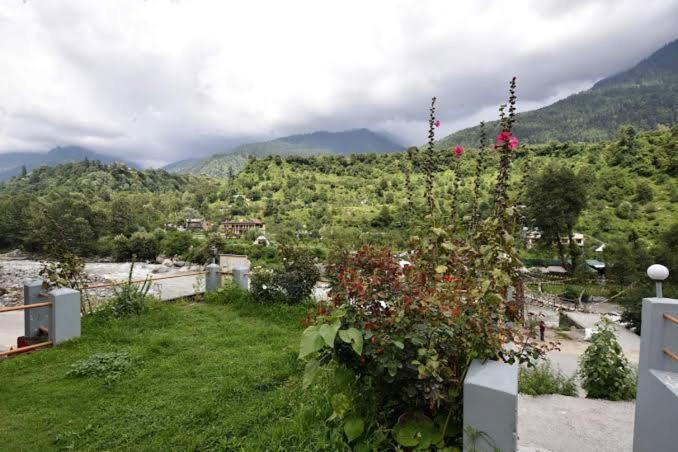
x=156, y=81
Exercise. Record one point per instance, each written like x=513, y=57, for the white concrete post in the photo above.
x=65, y=315
x=34, y=318
x=213, y=279
x=491, y=407
x=241, y=276
x=656, y=415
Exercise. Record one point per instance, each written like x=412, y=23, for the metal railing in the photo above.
x=25, y=307
x=667, y=351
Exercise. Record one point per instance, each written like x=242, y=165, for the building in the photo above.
x=238, y=227
x=196, y=224
x=577, y=237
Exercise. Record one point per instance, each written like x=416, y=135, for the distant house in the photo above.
x=195, y=224
x=577, y=238
x=596, y=265
x=238, y=227
x=530, y=236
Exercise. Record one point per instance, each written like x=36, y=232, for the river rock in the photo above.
x=167, y=263
x=162, y=269
x=160, y=259
x=179, y=263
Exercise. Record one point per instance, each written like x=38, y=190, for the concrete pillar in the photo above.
x=65, y=315
x=241, y=276
x=213, y=278
x=657, y=395
x=34, y=318
x=491, y=407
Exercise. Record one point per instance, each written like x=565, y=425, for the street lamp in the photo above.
x=658, y=273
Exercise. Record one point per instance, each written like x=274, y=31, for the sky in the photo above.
x=157, y=81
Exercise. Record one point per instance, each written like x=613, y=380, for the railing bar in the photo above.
x=671, y=318
x=26, y=306
x=26, y=349
x=117, y=283
x=670, y=354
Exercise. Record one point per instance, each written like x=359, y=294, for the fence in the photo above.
x=59, y=317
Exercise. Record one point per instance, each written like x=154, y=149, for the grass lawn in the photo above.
x=203, y=377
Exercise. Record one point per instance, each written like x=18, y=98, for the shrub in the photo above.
x=121, y=252
x=129, y=297
x=143, y=245
x=228, y=293
x=262, y=287
x=176, y=243
x=408, y=335
x=294, y=282
x=605, y=371
x=543, y=379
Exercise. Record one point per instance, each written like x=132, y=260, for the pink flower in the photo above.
x=458, y=151
x=505, y=137
x=437, y=123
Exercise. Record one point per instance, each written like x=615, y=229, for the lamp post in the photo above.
x=658, y=273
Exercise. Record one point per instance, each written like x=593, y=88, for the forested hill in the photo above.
x=643, y=96
x=11, y=163
x=316, y=143
x=96, y=178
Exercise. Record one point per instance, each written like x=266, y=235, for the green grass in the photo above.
x=202, y=377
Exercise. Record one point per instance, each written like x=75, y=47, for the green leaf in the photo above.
x=310, y=372
x=414, y=431
x=329, y=332
x=353, y=428
x=399, y=344
x=311, y=341
x=354, y=337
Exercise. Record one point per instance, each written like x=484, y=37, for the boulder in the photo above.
x=162, y=269
x=179, y=263
x=167, y=263
x=160, y=259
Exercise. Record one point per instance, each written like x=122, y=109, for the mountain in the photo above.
x=11, y=163
x=644, y=96
x=317, y=143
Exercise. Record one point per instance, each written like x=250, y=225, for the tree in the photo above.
x=24, y=171
x=555, y=198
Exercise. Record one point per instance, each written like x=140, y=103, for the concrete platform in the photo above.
x=556, y=423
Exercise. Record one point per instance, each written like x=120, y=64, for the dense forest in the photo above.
x=334, y=201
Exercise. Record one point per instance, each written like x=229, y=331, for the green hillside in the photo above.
x=316, y=143
x=645, y=96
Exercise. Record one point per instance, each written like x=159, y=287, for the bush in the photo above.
x=228, y=293
x=407, y=336
x=293, y=283
x=143, y=245
x=129, y=297
x=543, y=379
x=604, y=370
x=262, y=286
x=176, y=243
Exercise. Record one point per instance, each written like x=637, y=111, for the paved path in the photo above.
x=556, y=423
x=11, y=327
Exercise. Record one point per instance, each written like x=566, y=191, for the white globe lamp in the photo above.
x=658, y=273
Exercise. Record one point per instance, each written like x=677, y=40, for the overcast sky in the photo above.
x=160, y=80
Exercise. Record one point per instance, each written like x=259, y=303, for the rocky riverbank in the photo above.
x=15, y=267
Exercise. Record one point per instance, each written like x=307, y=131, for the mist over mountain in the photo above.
x=12, y=162
x=644, y=96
